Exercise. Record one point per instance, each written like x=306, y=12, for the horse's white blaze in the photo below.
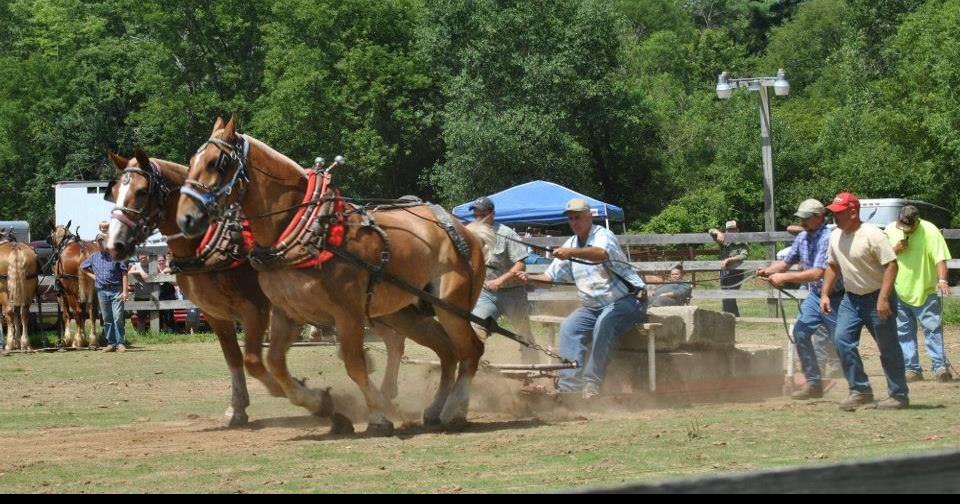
x=114, y=223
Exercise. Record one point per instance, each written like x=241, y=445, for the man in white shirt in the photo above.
x=861, y=253
x=612, y=294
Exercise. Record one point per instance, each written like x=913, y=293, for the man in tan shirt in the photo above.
x=863, y=255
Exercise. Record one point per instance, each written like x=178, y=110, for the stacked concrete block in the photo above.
x=685, y=328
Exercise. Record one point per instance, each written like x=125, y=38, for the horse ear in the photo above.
x=119, y=161
x=68, y=224
x=142, y=159
x=217, y=125
x=231, y=127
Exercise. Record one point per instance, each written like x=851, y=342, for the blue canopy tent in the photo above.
x=540, y=203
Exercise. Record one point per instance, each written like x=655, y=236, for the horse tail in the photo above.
x=487, y=237
x=17, y=273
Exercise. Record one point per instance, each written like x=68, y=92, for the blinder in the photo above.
x=208, y=198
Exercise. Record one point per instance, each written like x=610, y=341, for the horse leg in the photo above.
x=427, y=332
x=469, y=349
x=24, y=316
x=226, y=331
x=7, y=315
x=394, y=343
x=254, y=325
x=92, y=316
x=283, y=331
x=350, y=330
x=67, y=335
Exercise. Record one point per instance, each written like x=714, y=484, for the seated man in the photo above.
x=611, y=292
x=673, y=292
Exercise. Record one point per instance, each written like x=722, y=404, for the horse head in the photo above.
x=60, y=235
x=217, y=178
x=140, y=195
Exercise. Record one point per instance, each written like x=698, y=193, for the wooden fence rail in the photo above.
x=154, y=305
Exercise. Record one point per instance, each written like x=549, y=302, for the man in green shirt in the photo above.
x=922, y=257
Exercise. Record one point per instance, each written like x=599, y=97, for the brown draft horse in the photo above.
x=78, y=298
x=421, y=254
x=18, y=286
x=224, y=296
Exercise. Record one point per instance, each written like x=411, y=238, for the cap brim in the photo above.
x=804, y=215
x=837, y=208
x=904, y=226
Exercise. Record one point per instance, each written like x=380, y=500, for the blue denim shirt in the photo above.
x=810, y=250
x=109, y=273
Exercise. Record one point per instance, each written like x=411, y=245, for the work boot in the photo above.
x=809, y=391
x=109, y=348
x=892, y=403
x=121, y=348
x=856, y=400
x=942, y=375
x=914, y=376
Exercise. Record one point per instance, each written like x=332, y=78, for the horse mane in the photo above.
x=278, y=158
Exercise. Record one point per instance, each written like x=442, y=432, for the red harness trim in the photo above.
x=247, y=241
x=335, y=232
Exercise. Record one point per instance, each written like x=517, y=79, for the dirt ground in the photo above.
x=160, y=406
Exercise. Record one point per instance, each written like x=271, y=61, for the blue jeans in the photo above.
x=929, y=316
x=856, y=312
x=111, y=308
x=589, y=336
x=810, y=319
x=510, y=302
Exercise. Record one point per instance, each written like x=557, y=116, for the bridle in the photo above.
x=143, y=224
x=230, y=153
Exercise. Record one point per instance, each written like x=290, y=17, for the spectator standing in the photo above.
x=922, y=257
x=862, y=254
x=731, y=254
x=612, y=294
x=110, y=280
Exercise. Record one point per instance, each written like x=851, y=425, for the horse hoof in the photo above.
x=341, y=425
x=456, y=425
x=233, y=418
x=431, y=420
x=380, y=429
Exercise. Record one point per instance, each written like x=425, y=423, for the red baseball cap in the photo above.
x=844, y=201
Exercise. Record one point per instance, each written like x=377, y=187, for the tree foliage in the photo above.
x=451, y=99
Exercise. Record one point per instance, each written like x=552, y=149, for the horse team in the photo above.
x=380, y=261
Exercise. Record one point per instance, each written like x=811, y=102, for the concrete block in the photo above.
x=703, y=329
x=757, y=360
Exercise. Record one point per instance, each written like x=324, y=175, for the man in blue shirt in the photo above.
x=609, y=289
x=110, y=280
x=809, y=249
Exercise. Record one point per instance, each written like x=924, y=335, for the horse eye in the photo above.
x=141, y=193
